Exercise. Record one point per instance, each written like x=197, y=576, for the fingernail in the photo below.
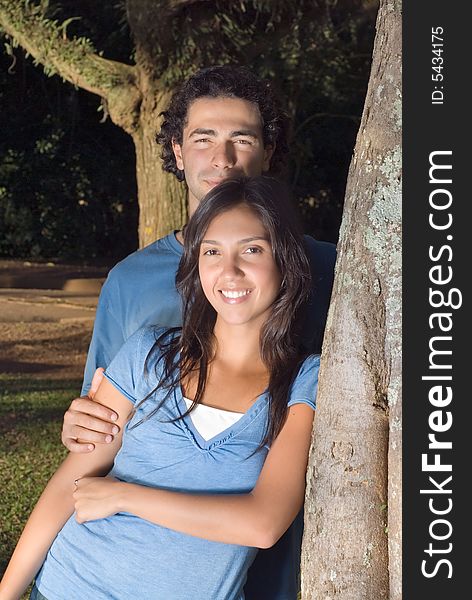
x=114, y=417
x=114, y=429
x=108, y=439
x=90, y=447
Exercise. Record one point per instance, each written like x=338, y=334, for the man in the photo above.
x=222, y=123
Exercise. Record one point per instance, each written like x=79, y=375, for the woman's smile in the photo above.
x=235, y=296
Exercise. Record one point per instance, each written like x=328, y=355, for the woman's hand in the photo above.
x=96, y=498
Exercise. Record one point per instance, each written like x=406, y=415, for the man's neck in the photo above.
x=192, y=204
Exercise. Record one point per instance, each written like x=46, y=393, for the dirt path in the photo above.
x=46, y=318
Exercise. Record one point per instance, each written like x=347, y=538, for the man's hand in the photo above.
x=87, y=423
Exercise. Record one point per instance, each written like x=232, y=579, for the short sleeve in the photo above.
x=107, y=336
x=305, y=386
x=126, y=370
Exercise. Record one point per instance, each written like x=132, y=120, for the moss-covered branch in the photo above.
x=75, y=60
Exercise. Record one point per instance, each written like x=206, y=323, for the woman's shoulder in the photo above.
x=139, y=364
x=153, y=335
x=310, y=364
x=305, y=384
x=151, y=341
x=144, y=346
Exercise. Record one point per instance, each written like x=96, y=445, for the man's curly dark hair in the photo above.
x=231, y=82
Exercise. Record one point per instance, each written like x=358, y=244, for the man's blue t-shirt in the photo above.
x=139, y=291
x=124, y=556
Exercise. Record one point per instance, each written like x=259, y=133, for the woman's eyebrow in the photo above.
x=243, y=241
x=254, y=238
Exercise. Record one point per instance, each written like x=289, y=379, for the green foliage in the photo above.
x=32, y=16
x=64, y=192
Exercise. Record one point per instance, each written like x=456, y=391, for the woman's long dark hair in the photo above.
x=280, y=347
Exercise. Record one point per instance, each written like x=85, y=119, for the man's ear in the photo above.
x=177, y=149
x=268, y=153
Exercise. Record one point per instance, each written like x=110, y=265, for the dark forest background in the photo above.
x=67, y=174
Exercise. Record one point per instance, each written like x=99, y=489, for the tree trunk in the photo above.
x=345, y=547
x=162, y=199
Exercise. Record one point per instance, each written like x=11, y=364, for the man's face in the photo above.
x=222, y=139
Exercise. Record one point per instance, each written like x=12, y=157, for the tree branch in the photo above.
x=154, y=44
x=75, y=60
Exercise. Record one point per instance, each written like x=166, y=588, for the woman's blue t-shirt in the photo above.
x=124, y=556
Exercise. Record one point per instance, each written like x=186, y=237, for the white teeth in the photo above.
x=234, y=293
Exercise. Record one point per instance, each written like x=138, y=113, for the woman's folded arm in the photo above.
x=257, y=519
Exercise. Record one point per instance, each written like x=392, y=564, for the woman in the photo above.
x=212, y=461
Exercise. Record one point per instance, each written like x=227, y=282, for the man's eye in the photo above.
x=202, y=140
x=244, y=142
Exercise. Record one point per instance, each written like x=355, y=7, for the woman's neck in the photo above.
x=238, y=346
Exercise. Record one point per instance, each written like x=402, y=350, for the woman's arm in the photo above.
x=56, y=503
x=256, y=519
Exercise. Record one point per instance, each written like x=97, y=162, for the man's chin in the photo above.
x=212, y=183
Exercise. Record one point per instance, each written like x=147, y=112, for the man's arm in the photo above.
x=56, y=503
x=86, y=422
x=108, y=334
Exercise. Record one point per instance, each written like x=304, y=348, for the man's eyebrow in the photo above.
x=211, y=132
x=244, y=132
x=202, y=131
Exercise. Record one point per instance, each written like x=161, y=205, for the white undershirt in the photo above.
x=210, y=421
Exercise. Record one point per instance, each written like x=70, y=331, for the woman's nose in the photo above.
x=231, y=268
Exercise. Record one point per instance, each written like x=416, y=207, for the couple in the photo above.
x=214, y=417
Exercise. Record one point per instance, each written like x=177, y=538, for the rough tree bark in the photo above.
x=355, y=461
x=133, y=96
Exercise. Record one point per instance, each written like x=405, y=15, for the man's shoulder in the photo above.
x=320, y=254
x=319, y=247
x=163, y=252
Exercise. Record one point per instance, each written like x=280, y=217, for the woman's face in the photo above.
x=237, y=269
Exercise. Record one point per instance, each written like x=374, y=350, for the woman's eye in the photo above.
x=210, y=252
x=253, y=250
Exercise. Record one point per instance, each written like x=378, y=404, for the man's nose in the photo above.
x=224, y=157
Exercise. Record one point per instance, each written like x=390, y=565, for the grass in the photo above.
x=31, y=412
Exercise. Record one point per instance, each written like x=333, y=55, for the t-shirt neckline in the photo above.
x=220, y=438
x=173, y=243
